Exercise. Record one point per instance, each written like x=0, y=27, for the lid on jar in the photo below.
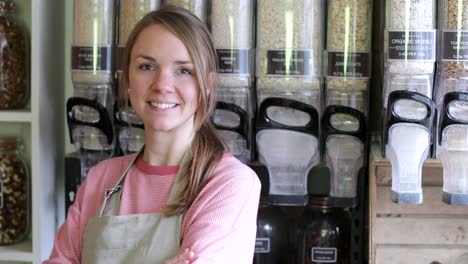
x=8, y=142
x=6, y=5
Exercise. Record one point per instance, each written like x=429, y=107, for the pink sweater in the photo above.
x=219, y=227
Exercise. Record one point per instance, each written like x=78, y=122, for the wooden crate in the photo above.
x=432, y=232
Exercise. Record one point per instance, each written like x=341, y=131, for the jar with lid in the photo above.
x=14, y=192
x=323, y=233
x=271, y=243
x=14, y=89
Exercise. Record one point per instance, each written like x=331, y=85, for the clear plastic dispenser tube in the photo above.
x=232, y=27
x=451, y=97
x=407, y=149
x=344, y=132
x=453, y=147
x=288, y=150
x=409, y=125
x=289, y=156
x=90, y=111
x=454, y=157
x=345, y=157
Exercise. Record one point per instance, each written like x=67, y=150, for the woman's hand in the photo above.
x=182, y=258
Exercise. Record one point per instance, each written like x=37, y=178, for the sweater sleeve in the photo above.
x=220, y=226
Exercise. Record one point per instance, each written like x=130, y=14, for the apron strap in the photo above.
x=114, y=204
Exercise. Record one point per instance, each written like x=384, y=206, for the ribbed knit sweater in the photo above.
x=219, y=227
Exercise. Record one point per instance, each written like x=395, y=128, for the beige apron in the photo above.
x=139, y=238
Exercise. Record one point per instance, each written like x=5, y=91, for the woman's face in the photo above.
x=163, y=85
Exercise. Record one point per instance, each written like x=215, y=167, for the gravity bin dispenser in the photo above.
x=288, y=89
x=130, y=132
x=410, y=48
x=451, y=97
x=232, y=30
x=90, y=110
x=346, y=92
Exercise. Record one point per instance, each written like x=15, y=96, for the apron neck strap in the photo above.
x=111, y=203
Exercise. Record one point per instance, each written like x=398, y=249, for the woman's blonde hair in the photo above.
x=207, y=148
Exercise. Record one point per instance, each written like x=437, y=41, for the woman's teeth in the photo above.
x=162, y=106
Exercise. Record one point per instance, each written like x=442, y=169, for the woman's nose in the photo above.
x=163, y=81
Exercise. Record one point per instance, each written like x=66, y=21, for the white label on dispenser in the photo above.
x=324, y=255
x=234, y=61
x=262, y=245
x=412, y=45
x=91, y=58
x=455, y=46
x=289, y=62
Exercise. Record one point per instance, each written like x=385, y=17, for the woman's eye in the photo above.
x=185, y=71
x=146, y=67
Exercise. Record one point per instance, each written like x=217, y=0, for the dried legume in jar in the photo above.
x=14, y=204
x=14, y=89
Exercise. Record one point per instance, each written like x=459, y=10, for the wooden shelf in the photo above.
x=18, y=116
x=405, y=233
x=17, y=252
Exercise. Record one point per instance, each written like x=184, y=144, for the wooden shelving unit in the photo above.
x=40, y=125
x=432, y=232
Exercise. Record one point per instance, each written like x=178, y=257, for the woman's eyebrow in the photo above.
x=146, y=57
x=183, y=62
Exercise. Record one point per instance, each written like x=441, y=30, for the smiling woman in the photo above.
x=181, y=198
x=162, y=87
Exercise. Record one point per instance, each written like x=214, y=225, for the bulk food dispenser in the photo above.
x=232, y=29
x=346, y=93
x=90, y=110
x=451, y=97
x=129, y=126
x=288, y=70
x=197, y=7
x=410, y=42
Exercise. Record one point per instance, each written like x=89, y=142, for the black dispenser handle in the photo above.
x=104, y=123
x=392, y=118
x=265, y=122
x=447, y=119
x=243, y=127
x=328, y=129
x=119, y=121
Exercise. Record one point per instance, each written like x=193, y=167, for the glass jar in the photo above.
x=323, y=234
x=271, y=244
x=14, y=194
x=14, y=89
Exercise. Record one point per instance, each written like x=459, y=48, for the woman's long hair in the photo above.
x=207, y=148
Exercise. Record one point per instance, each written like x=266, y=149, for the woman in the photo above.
x=180, y=198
